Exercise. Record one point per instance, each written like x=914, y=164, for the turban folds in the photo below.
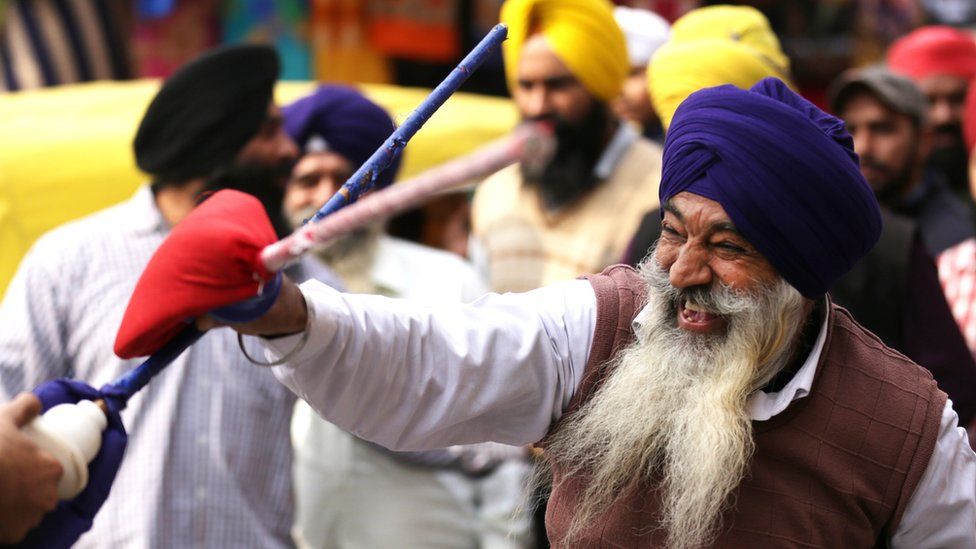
x=339, y=119
x=784, y=171
x=582, y=33
x=206, y=112
x=713, y=46
x=934, y=50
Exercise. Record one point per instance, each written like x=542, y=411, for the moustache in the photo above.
x=717, y=298
x=949, y=128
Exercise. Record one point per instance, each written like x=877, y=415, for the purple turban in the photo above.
x=340, y=119
x=784, y=171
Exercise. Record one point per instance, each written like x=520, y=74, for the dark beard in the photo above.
x=569, y=175
x=266, y=183
x=952, y=162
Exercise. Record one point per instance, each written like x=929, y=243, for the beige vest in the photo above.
x=527, y=247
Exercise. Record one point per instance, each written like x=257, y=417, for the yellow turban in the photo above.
x=582, y=33
x=710, y=47
x=743, y=24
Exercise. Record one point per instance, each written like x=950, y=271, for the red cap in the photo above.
x=934, y=50
x=209, y=260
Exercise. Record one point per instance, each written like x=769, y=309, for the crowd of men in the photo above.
x=719, y=315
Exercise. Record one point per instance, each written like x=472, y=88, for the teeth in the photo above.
x=695, y=307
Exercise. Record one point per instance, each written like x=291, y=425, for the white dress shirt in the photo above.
x=504, y=369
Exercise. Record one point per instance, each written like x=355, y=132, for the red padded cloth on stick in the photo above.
x=208, y=261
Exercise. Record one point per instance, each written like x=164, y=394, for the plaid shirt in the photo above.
x=209, y=457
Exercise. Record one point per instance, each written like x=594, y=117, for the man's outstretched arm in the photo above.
x=410, y=377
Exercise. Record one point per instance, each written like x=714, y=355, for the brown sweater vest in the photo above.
x=835, y=469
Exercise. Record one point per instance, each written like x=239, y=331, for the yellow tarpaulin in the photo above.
x=66, y=151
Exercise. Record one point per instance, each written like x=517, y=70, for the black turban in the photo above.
x=206, y=112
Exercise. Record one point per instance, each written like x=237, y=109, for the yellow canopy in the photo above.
x=67, y=151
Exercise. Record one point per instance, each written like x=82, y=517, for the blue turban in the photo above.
x=339, y=119
x=784, y=171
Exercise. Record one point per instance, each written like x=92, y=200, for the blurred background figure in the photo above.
x=886, y=116
x=645, y=32
x=565, y=63
x=349, y=492
x=942, y=61
x=209, y=458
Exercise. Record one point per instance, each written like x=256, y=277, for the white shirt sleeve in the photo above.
x=942, y=511
x=411, y=377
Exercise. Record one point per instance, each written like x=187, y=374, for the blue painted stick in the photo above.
x=365, y=177
x=361, y=181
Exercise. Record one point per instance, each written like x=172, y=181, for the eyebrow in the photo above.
x=720, y=226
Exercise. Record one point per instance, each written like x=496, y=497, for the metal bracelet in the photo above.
x=290, y=354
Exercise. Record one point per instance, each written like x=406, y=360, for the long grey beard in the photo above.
x=673, y=414
x=351, y=256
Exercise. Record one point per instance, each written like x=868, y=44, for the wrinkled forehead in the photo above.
x=698, y=210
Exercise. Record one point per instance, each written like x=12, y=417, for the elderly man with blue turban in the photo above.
x=350, y=492
x=714, y=398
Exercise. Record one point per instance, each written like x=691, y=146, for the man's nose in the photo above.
x=862, y=143
x=538, y=104
x=940, y=113
x=690, y=268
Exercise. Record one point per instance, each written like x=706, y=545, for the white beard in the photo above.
x=674, y=410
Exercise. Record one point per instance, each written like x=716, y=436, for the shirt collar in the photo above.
x=614, y=151
x=763, y=405
x=143, y=213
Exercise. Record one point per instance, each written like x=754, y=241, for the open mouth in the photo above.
x=695, y=318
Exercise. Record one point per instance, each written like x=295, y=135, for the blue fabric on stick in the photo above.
x=62, y=527
x=784, y=171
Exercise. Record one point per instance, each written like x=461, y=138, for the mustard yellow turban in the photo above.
x=743, y=24
x=582, y=33
x=710, y=47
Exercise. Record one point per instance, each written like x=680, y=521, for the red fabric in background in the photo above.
x=209, y=260
x=969, y=118
x=934, y=50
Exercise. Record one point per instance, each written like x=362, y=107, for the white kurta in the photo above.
x=351, y=494
x=505, y=367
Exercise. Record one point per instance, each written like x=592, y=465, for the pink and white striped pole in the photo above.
x=528, y=143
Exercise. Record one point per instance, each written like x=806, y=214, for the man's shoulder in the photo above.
x=854, y=346
x=77, y=238
x=639, y=170
x=496, y=196
x=645, y=152
x=429, y=258
x=425, y=266
x=507, y=179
